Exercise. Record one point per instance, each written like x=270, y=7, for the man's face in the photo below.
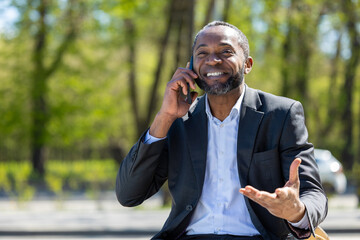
x=218, y=60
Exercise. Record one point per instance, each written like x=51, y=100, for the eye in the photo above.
x=200, y=54
x=228, y=51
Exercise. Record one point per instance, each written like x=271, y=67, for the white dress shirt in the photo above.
x=221, y=208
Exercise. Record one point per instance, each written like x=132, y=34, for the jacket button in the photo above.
x=189, y=208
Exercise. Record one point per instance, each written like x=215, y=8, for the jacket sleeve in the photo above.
x=142, y=172
x=294, y=142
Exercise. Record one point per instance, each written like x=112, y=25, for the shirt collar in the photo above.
x=235, y=111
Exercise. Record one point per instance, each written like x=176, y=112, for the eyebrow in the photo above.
x=201, y=45
x=225, y=44
x=221, y=44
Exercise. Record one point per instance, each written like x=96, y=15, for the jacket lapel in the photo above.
x=250, y=120
x=196, y=134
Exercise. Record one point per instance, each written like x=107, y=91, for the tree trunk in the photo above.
x=178, y=46
x=348, y=88
x=271, y=9
x=357, y=159
x=190, y=25
x=306, y=30
x=38, y=97
x=188, y=29
x=286, y=55
x=158, y=73
x=302, y=65
x=185, y=23
x=209, y=12
x=131, y=39
x=39, y=86
x=332, y=106
x=226, y=10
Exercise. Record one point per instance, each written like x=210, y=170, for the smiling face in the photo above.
x=219, y=60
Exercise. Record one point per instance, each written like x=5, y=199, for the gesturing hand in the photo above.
x=284, y=202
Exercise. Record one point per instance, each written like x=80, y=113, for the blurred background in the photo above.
x=80, y=80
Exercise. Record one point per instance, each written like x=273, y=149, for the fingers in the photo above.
x=261, y=197
x=183, y=81
x=294, y=171
x=186, y=74
x=178, y=85
x=188, y=71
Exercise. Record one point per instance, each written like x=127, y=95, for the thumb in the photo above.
x=294, y=171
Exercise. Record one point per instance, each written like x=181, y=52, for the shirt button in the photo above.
x=189, y=208
x=221, y=125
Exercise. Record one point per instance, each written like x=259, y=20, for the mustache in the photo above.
x=222, y=88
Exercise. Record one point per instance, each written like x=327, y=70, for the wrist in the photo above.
x=161, y=125
x=165, y=117
x=300, y=214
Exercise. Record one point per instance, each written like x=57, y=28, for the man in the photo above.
x=237, y=160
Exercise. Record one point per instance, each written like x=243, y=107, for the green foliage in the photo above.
x=62, y=178
x=88, y=95
x=92, y=176
x=14, y=180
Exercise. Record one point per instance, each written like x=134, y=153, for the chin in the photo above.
x=219, y=88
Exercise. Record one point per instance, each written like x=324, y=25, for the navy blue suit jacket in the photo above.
x=272, y=133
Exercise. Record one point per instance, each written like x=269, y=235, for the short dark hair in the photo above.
x=243, y=41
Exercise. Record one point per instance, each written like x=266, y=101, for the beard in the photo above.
x=218, y=88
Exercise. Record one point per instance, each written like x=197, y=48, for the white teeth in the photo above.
x=214, y=74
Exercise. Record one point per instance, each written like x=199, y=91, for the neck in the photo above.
x=221, y=105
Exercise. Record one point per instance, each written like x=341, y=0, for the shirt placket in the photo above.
x=219, y=219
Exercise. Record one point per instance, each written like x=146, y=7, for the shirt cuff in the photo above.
x=148, y=139
x=303, y=223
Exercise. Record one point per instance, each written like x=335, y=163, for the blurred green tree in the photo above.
x=45, y=62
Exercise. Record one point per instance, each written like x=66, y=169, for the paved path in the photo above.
x=80, y=216
x=106, y=219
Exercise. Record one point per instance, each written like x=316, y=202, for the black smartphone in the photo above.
x=188, y=97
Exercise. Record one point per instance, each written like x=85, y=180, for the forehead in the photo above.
x=217, y=35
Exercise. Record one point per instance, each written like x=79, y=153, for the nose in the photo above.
x=213, y=59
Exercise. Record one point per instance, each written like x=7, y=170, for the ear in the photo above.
x=248, y=65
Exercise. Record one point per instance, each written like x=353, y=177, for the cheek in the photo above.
x=234, y=61
x=235, y=66
x=198, y=65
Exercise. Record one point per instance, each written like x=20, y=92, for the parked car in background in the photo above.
x=331, y=172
